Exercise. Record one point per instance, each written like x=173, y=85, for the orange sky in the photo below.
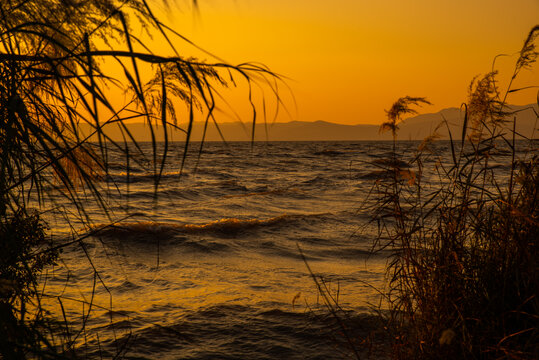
x=348, y=60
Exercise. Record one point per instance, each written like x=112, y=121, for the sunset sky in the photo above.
x=348, y=60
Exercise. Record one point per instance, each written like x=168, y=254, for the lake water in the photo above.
x=211, y=268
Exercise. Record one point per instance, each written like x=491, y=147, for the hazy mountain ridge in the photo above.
x=414, y=128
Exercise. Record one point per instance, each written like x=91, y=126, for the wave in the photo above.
x=329, y=153
x=212, y=172
x=225, y=226
x=286, y=191
x=318, y=180
x=147, y=194
x=135, y=177
x=233, y=331
x=390, y=162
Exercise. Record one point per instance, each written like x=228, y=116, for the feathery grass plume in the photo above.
x=401, y=107
x=51, y=82
x=485, y=110
x=528, y=53
x=463, y=275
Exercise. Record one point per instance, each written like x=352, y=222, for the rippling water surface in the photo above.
x=211, y=268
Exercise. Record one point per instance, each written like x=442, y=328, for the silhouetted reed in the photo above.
x=464, y=270
x=51, y=82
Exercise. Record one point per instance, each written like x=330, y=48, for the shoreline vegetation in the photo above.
x=463, y=274
x=52, y=83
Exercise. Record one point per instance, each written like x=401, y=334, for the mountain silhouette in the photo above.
x=414, y=128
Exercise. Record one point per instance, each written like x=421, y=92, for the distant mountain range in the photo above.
x=414, y=128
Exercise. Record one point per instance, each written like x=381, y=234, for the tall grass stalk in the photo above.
x=51, y=82
x=464, y=270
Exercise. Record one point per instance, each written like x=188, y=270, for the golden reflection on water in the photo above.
x=165, y=293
